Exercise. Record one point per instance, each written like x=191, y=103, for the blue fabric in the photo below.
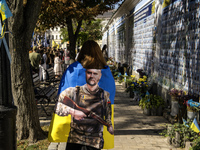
x=75, y=76
x=4, y=9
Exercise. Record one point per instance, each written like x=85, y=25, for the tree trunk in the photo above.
x=21, y=26
x=73, y=36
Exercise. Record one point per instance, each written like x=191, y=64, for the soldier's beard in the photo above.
x=91, y=84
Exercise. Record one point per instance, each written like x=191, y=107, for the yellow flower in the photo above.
x=132, y=76
x=132, y=85
x=140, y=79
x=145, y=77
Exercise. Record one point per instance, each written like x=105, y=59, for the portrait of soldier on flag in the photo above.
x=87, y=105
x=84, y=112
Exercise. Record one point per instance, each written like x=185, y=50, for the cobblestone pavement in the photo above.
x=133, y=129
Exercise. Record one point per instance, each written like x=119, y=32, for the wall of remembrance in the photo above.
x=161, y=38
x=143, y=37
x=179, y=40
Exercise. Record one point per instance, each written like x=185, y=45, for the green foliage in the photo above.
x=186, y=133
x=57, y=13
x=196, y=144
x=64, y=34
x=193, y=109
x=130, y=80
x=115, y=74
x=40, y=145
x=121, y=78
x=156, y=101
x=149, y=101
x=63, y=13
x=145, y=102
x=139, y=85
x=90, y=30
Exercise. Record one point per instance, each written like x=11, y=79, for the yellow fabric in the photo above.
x=2, y=12
x=2, y=31
x=166, y=3
x=109, y=138
x=60, y=127
x=54, y=43
x=194, y=128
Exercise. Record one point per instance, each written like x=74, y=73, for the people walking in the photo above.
x=35, y=59
x=57, y=65
x=105, y=53
x=42, y=66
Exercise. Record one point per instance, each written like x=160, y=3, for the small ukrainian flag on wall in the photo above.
x=194, y=126
x=4, y=10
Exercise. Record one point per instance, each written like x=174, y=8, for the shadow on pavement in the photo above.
x=138, y=132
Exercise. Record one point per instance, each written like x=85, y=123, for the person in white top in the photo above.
x=57, y=65
x=42, y=66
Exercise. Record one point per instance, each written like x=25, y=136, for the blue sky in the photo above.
x=117, y=5
x=138, y=5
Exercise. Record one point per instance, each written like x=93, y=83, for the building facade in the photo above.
x=55, y=34
x=160, y=37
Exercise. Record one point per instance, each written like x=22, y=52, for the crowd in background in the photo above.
x=43, y=58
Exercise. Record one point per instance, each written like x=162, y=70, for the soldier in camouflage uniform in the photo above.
x=85, y=130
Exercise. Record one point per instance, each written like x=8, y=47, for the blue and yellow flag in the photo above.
x=194, y=126
x=75, y=76
x=4, y=10
x=54, y=43
x=185, y=122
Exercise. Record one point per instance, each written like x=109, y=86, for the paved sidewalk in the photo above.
x=133, y=129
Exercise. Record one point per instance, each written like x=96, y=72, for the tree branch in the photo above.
x=78, y=28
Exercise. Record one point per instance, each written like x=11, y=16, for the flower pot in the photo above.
x=191, y=114
x=131, y=94
x=169, y=139
x=176, y=142
x=173, y=98
x=124, y=84
x=188, y=144
x=174, y=108
x=136, y=96
x=160, y=111
x=147, y=111
x=153, y=111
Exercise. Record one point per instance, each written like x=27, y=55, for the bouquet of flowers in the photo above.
x=143, y=86
x=130, y=81
x=141, y=73
x=192, y=105
x=110, y=61
x=140, y=85
x=176, y=92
